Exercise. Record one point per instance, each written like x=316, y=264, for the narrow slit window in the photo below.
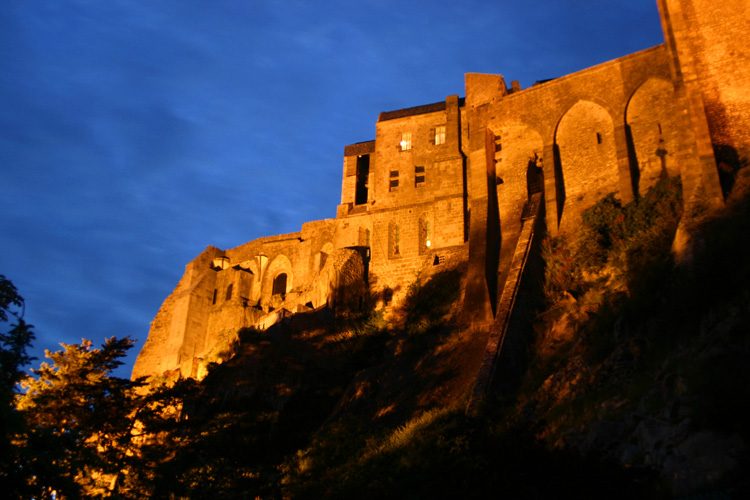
x=394, y=240
x=216, y=292
x=363, y=172
x=425, y=235
x=229, y=292
x=598, y=138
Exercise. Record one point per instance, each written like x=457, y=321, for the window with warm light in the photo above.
x=440, y=135
x=405, y=144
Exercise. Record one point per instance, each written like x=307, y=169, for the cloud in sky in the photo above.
x=133, y=133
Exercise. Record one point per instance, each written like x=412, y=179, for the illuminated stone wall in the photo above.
x=709, y=43
x=446, y=185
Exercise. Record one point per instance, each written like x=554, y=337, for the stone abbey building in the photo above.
x=453, y=183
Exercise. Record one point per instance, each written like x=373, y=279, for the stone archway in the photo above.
x=654, y=131
x=585, y=140
x=278, y=266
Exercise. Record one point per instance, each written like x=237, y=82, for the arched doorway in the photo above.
x=279, y=284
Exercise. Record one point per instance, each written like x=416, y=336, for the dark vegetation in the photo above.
x=353, y=406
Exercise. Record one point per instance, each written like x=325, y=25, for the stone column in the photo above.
x=550, y=187
x=700, y=167
x=624, y=164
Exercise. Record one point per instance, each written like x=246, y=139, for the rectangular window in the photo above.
x=419, y=176
x=393, y=184
x=405, y=143
x=440, y=135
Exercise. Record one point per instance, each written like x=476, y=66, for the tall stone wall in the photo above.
x=711, y=55
x=176, y=332
x=587, y=143
x=223, y=291
x=415, y=207
x=447, y=184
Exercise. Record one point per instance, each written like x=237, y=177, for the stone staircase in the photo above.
x=499, y=328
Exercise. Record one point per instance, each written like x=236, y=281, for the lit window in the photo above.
x=419, y=176
x=405, y=143
x=440, y=135
x=393, y=182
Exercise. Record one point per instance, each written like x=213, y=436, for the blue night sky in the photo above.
x=134, y=133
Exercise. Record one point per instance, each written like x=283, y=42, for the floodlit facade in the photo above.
x=447, y=185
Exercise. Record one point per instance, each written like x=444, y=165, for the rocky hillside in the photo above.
x=644, y=361
x=636, y=382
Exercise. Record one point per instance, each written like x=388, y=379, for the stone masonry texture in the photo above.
x=445, y=185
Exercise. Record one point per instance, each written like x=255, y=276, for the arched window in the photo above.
x=279, y=284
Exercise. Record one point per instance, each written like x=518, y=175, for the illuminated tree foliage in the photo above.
x=79, y=421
